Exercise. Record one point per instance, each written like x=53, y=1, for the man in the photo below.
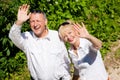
x=47, y=56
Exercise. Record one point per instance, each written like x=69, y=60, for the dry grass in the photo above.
x=112, y=61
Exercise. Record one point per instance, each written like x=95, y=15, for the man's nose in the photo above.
x=35, y=23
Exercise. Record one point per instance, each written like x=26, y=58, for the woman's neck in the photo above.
x=76, y=44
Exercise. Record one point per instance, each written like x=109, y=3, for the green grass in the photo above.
x=23, y=74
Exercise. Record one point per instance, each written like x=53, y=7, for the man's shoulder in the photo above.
x=27, y=33
x=54, y=34
x=53, y=31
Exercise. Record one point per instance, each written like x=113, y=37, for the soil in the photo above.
x=112, y=61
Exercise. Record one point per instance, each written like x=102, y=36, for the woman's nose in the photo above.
x=68, y=36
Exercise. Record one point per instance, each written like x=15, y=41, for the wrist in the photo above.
x=88, y=36
x=18, y=22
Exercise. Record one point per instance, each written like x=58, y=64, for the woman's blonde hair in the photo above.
x=65, y=25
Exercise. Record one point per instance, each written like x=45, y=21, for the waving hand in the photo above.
x=82, y=32
x=81, y=29
x=22, y=15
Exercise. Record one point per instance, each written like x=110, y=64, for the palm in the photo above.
x=22, y=13
x=81, y=30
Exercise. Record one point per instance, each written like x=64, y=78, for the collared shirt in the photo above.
x=88, y=62
x=47, y=57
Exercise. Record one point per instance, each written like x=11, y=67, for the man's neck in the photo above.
x=44, y=33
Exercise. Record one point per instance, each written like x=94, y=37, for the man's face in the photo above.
x=38, y=24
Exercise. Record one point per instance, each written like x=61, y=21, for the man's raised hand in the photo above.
x=22, y=15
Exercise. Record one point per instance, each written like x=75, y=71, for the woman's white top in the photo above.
x=88, y=62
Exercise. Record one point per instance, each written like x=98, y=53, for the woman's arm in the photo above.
x=84, y=34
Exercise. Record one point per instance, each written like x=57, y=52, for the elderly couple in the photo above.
x=47, y=56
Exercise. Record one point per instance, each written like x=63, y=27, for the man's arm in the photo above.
x=15, y=32
x=16, y=36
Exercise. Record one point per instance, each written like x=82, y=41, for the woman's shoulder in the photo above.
x=83, y=40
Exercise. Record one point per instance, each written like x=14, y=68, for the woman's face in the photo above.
x=70, y=35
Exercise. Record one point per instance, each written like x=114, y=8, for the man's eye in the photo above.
x=31, y=21
x=39, y=21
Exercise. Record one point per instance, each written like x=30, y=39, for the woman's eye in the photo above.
x=69, y=32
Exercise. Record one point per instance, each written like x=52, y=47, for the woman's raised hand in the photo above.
x=81, y=29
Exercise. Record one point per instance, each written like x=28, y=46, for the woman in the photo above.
x=84, y=51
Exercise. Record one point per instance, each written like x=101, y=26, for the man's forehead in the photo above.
x=36, y=15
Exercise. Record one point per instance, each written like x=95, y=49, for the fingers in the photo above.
x=83, y=25
x=23, y=13
x=24, y=7
x=29, y=15
x=77, y=26
x=27, y=8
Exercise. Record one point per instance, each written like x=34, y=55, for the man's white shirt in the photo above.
x=47, y=57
